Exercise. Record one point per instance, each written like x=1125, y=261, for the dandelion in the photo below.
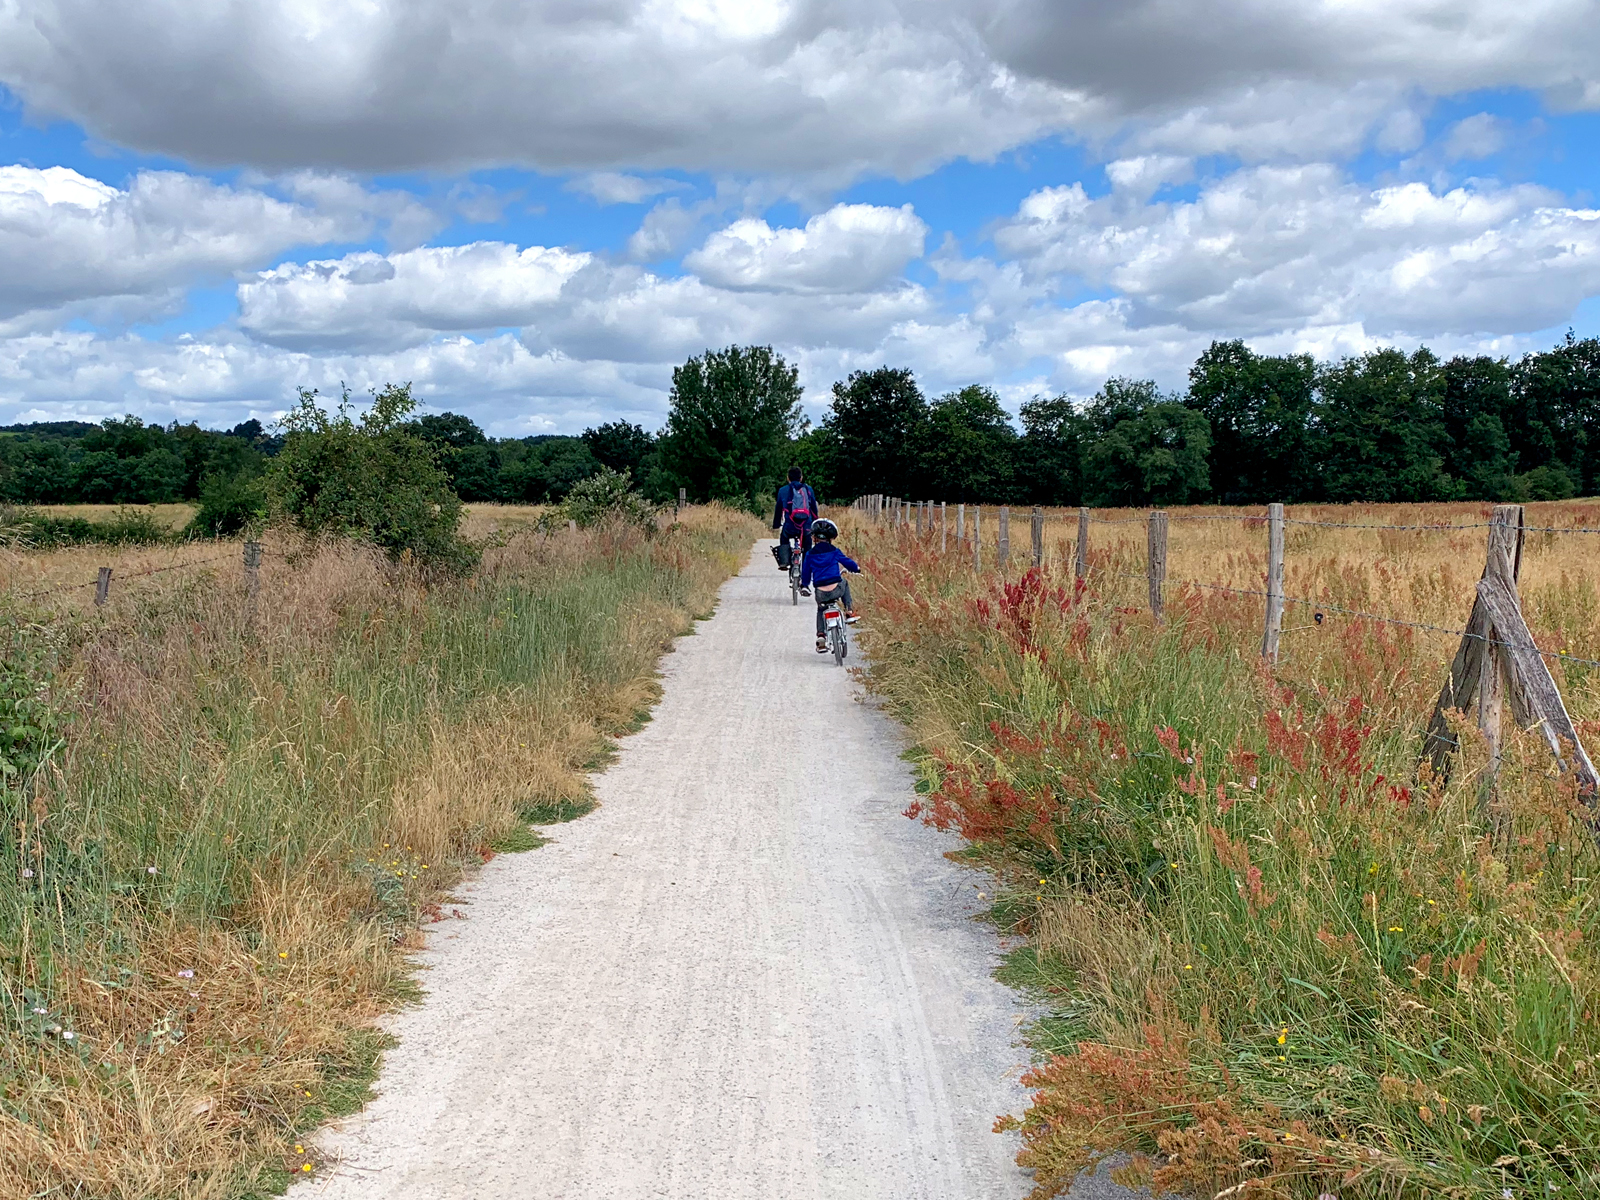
x=1373, y=869
x=1397, y=929
x=299, y=1149
x=283, y=954
x=305, y=1166
x=1432, y=902
x=1283, y=1037
x=1174, y=866
x=1188, y=966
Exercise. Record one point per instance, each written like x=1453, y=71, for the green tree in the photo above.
x=1555, y=419
x=621, y=446
x=1382, y=420
x=816, y=453
x=1260, y=409
x=1145, y=448
x=733, y=412
x=877, y=421
x=1049, y=457
x=967, y=448
x=372, y=478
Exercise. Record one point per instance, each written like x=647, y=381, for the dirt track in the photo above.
x=745, y=976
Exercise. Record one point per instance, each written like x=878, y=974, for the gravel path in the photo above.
x=744, y=976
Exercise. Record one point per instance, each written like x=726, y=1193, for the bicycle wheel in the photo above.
x=794, y=587
x=838, y=645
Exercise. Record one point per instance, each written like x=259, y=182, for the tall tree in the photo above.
x=1144, y=448
x=621, y=446
x=1260, y=411
x=967, y=448
x=1382, y=420
x=1556, y=412
x=733, y=412
x=1476, y=407
x=1048, y=458
x=877, y=419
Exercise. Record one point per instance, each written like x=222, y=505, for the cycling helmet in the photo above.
x=824, y=528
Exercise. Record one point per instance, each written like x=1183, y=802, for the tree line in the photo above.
x=1247, y=428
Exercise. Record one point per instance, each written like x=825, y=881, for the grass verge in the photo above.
x=1277, y=962
x=218, y=837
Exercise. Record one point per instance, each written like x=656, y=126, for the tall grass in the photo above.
x=215, y=872
x=1278, y=960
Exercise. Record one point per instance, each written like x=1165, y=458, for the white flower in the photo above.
x=186, y=974
x=149, y=870
x=68, y=1036
x=27, y=872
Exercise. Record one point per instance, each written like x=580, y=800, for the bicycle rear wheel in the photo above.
x=838, y=645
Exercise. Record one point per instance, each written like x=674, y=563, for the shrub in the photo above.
x=608, y=496
x=374, y=479
x=229, y=504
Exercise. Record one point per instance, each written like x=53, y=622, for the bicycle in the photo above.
x=795, y=561
x=835, y=622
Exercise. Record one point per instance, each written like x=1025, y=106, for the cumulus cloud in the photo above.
x=790, y=86
x=1270, y=249
x=371, y=301
x=849, y=248
x=74, y=246
x=802, y=86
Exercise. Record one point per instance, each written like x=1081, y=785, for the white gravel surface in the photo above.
x=744, y=976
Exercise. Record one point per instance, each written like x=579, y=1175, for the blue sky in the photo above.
x=535, y=229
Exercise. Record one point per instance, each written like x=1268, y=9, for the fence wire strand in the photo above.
x=1325, y=606
x=72, y=587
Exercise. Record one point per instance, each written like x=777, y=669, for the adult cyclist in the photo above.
x=792, y=517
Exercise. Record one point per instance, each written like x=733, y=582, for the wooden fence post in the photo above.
x=252, y=581
x=977, y=538
x=1269, y=637
x=1038, y=536
x=944, y=527
x=572, y=526
x=961, y=521
x=683, y=497
x=102, y=586
x=1005, y=536
x=1157, y=563
x=1080, y=565
x=919, y=520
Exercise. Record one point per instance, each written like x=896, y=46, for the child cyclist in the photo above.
x=824, y=566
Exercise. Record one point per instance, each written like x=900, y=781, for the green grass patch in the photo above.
x=557, y=812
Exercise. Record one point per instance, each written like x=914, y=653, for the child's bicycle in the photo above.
x=834, y=622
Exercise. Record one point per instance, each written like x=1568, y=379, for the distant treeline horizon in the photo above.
x=1248, y=428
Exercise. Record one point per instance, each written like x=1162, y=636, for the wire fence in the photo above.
x=89, y=583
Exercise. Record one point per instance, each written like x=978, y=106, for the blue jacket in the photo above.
x=780, y=514
x=822, y=564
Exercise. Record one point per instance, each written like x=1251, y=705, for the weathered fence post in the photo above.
x=1504, y=562
x=944, y=527
x=1005, y=536
x=919, y=520
x=977, y=538
x=683, y=497
x=1038, y=536
x=1080, y=564
x=1269, y=638
x=572, y=526
x=102, y=586
x=252, y=581
x=961, y=521
x=1157, y=562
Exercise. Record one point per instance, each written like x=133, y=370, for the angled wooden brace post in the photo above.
x=1499, y=659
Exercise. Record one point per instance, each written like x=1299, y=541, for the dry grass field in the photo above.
x=1280, y=957
x=218, y=835
x=167, y=516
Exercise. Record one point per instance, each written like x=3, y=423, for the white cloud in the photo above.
x=1476, y=137
x=849, y=248
x=369, y=301
x=615, y=187
x=807, y=87
x=74, y=246
x=1270, y=249
x=801, y=87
